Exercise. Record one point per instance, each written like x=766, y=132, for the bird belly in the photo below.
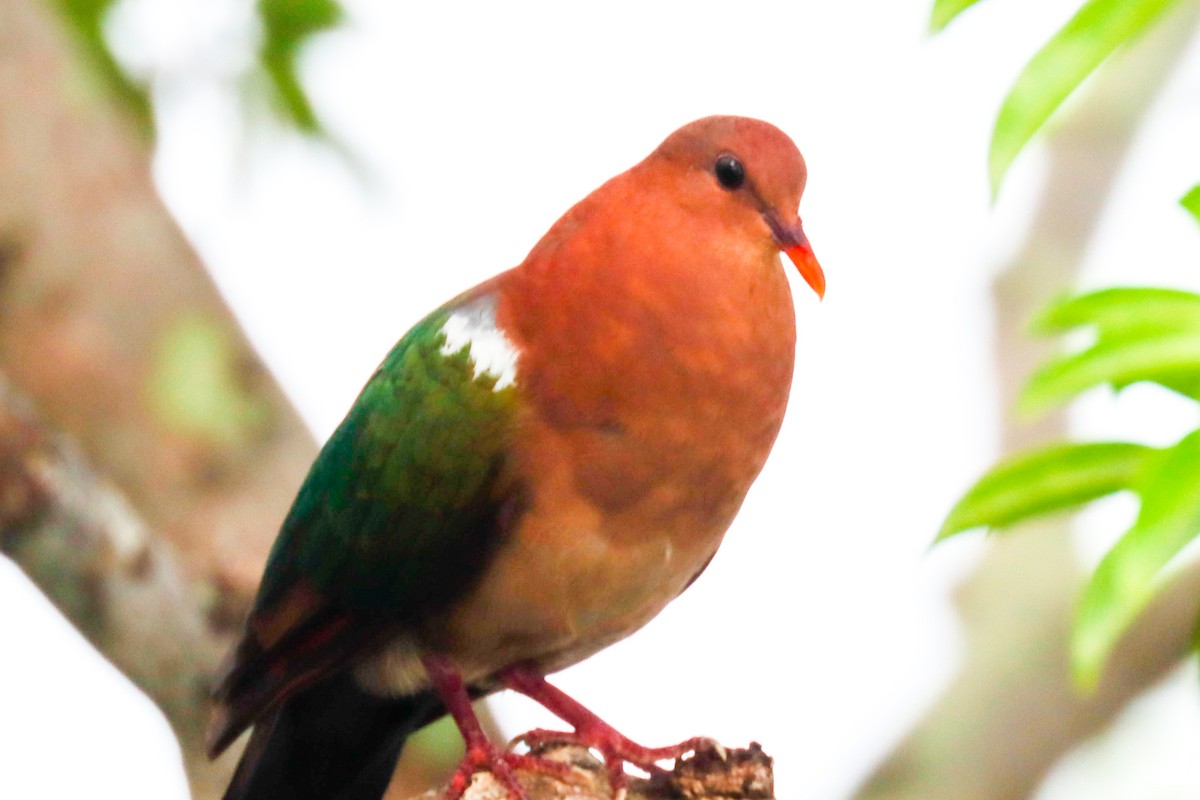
x=555, y=595
x=569, y=583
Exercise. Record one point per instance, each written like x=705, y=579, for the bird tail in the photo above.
x=330, y=740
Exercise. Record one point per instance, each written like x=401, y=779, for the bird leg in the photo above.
x=591, y=731
x=481, y=753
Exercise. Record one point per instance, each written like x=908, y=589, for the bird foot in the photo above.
x=483, y=756
x=593, y=732
x=590, y=732
x=617, y=750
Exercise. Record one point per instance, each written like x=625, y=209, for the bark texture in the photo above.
x=736, y=775
x=83, y=543
x=111, y=326
x=144, y=491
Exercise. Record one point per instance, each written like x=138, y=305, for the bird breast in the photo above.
x=647, y=413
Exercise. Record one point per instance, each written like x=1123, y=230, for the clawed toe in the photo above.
x=539, y=737
x=617, y=751
x=503, y=766
x=484, y=757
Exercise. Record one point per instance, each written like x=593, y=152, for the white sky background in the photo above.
x=478, y=126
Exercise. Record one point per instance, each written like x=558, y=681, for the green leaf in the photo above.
x=946, y=10
x=1123, y=313
x=1126, y=578
x=287, y=26
x=1088, y=38
x=86, y=19
x=1191, y=201
x=1044, y=481
x=1172, y=360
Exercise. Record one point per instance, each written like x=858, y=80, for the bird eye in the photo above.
x=730, y=172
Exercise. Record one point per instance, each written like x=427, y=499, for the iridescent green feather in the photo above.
x=399, y=512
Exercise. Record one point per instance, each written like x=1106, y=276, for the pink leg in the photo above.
x=481, y=753
x=590, y=730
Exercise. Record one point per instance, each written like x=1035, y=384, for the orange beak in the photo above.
x=791, y=240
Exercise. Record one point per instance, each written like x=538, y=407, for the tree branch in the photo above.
x=111, y=325
x=148, y=512
x=81, y=541
x=739, y=775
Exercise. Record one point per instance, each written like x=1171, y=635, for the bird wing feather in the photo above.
x=398, y=517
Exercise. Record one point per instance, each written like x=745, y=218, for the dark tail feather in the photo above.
x=332, y=741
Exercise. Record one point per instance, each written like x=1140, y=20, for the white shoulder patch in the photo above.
x=474, y=326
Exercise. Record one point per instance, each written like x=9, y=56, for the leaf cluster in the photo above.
x=1141, y=334
x=286, y=26
x=1097, y=30
x=1137, y=335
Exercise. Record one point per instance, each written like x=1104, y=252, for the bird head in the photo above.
x=754, y=173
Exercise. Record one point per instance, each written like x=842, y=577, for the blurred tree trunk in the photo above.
x=1012, y=712
x=147, y=457
x=153, y=456
x=109, y=323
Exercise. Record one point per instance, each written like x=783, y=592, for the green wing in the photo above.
x=398, y=516
x=401, y=509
